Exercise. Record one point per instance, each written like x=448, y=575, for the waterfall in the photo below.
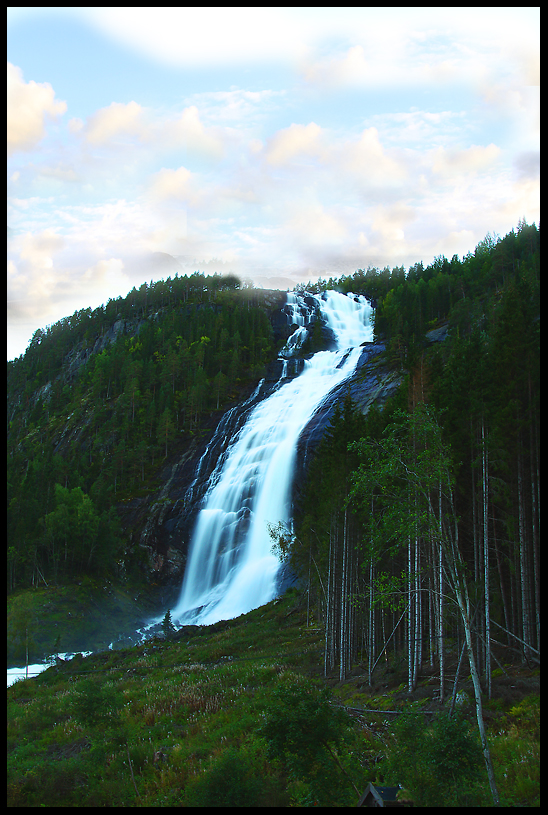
x=230, y=568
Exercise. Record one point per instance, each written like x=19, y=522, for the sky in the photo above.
x=280, y=144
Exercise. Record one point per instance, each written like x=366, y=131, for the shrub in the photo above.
x=95, y=703
x=303, y=729
x=228, y=783
x=438, y=762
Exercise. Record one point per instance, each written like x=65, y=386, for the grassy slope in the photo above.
x=145, y=726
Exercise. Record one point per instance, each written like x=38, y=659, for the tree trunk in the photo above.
x=523, y=559
x=371, y=642
x=485, y=479
x=457, y=575
x=441, y=649
x=344, y=604
x=410, y=617
x=464, y=605
x=534, y=524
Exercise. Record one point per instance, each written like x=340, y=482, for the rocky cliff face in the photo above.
x=370, y=384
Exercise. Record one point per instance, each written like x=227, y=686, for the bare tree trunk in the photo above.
x=534, y=527
x=441, y=648
x=464, y=605
x=502, y=586
x=418, y=617
x=485, y=461
x=371, y=643
x=329, y=656
x=456, y=681
x=410, y=617
x=457, y=576
x=523, y=559
x=344, y=605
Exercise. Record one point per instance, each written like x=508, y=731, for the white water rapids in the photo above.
x=231, y=568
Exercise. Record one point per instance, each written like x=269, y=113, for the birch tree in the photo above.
x=410, y=471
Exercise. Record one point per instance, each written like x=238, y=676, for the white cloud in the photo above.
x=107, y=276
x=38, y=249
x=170, y=184
x=350, y=69
x=188, y=130
x=388, y=222
x=185, y=36
x=387, y=137
x=29, y=104
x=458, y=162
x=32, y=275
x=312, y=224
x=368, y=159
x=114, y=120
x=294, y=141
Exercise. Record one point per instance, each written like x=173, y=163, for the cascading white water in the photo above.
x=231, y=568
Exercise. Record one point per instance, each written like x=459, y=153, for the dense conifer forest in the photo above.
x=416, y=536
x=440, y=489
x=99, y=400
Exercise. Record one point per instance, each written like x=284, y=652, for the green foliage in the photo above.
x=167, y=356
x=189, y=716
x=77, y=537
x=228, y=783
x=304, y=729
x=517, y=749
x=167, y=625
x=95, y=703
x=439, y=762
x=398, y=477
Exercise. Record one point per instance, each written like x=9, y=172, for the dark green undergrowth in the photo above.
x=238, y=714
x=88, y=614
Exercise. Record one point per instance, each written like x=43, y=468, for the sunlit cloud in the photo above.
x=350, y=69
x=29, y=105
x=295, y=141
x=285, y=143
x=107, y=274
x=459, y=162
x=116, y=119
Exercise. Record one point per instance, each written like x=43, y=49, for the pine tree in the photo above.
x=167, y=625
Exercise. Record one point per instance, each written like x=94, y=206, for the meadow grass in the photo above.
x=178, y=722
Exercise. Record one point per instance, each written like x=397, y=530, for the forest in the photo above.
x=438, y=493
x=98, y=403
x=418, y=535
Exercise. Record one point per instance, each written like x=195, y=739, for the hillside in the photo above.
x=100, y=407
x=182, y=723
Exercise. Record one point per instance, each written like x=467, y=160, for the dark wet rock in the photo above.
x=367, y=386
x=437, y=334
